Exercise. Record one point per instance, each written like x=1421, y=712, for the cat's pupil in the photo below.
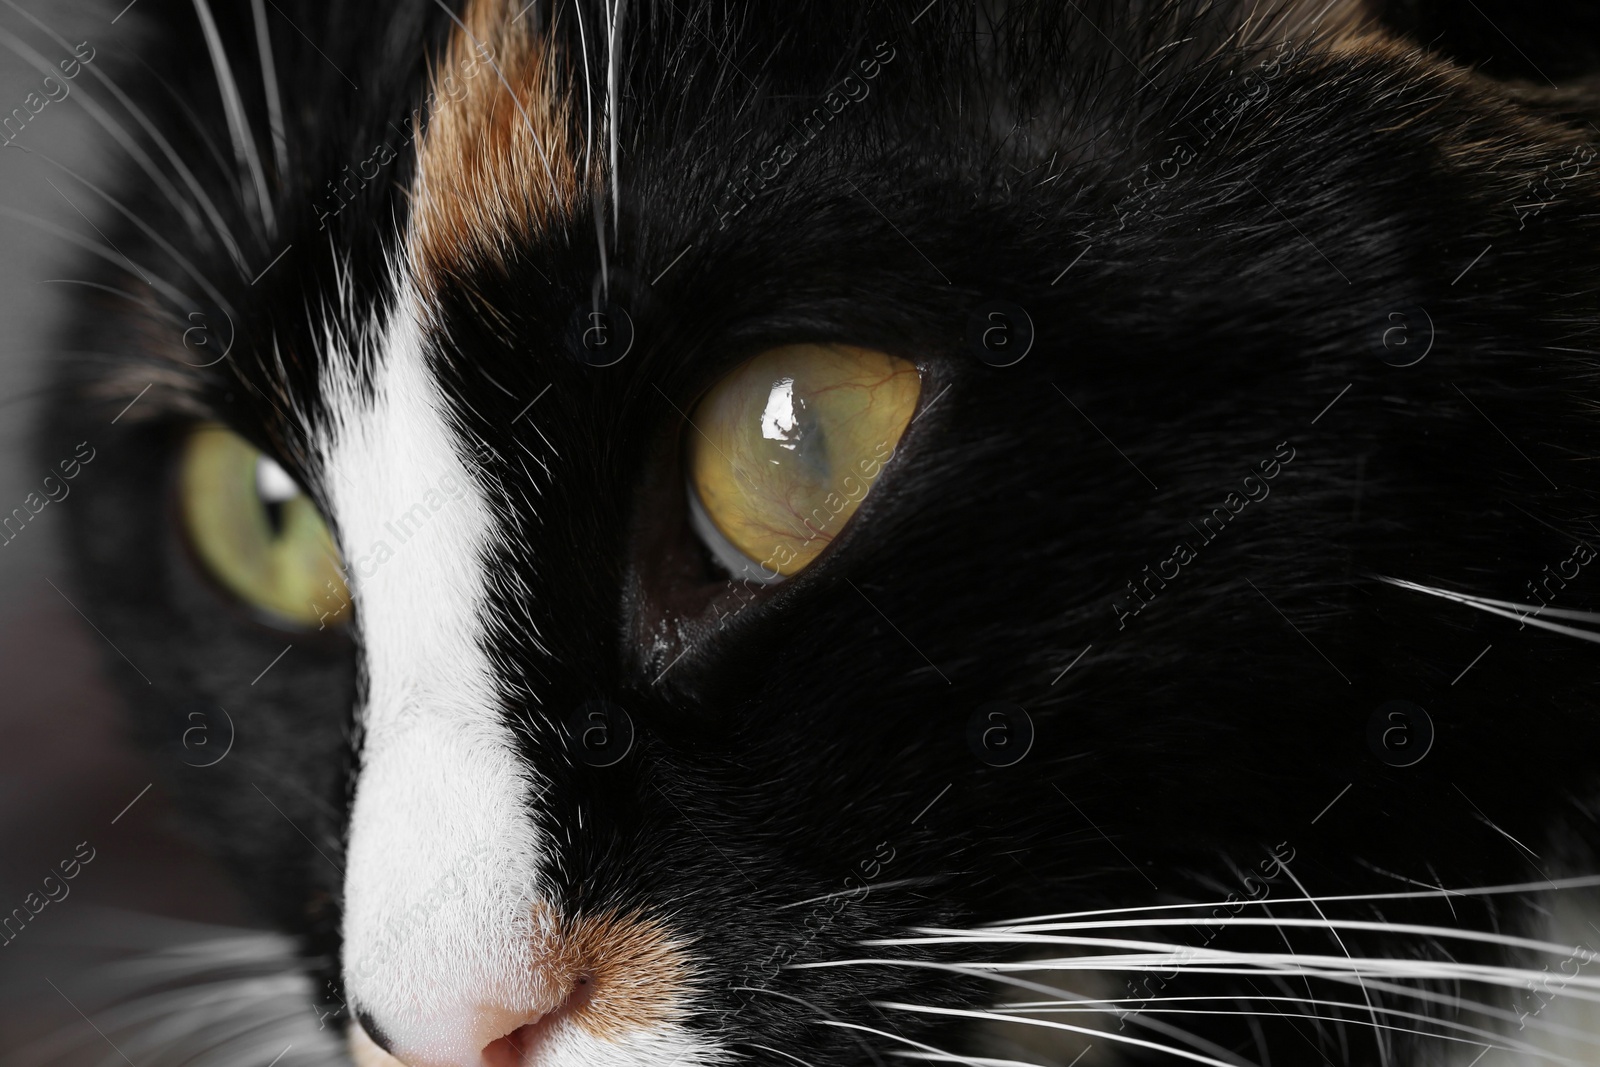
x=274, y=488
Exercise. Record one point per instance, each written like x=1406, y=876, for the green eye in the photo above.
x=786, y=447
x=258, y=534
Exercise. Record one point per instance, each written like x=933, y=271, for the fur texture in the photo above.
x=1161, y=533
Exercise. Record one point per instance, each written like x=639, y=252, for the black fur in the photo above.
x=1201, y=313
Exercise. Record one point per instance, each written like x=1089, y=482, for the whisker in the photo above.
x=1028, y=1021
x=177, y=296
x=105, y=121
x=244, y=145
x=821, y=1014
x=588, y=91
x=957, y=936
x=947, y=1056
x=269, y=83
x=896, y=884
x=111, y=290
x=1580, y=882
x=196, y=191
x=614, y=109
x=1528, y=617
x=1219, y=962
x=1137, y=1017
x=1378, y=1036
x=1477, y=1032
x=1127, y=1039
x=1154, y=1025
x=150, y=232
x=785, y=1055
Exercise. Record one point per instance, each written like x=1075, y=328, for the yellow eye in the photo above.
x=257, y=532
x=786, y=447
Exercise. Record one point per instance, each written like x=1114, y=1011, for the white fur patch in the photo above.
x=443, y=856
x=444, y=859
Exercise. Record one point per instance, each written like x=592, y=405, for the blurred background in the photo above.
x=90, y=970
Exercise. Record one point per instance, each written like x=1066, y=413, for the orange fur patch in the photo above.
x=499, y=160
x=626, y=971
x=610, y=974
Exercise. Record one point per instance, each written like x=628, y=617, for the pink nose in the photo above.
x=480, y=1036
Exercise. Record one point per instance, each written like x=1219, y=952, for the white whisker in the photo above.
x=1379, y=1036
x=1218, y=962
x=149, y=231
x=244, y=145
x=949, y=936
x=1478, y=1033
x=588, y=90
x=269, y=84
x=1126, y=1039
x=106, y=122
x=1590, y=881
x=614, y=109
x=1526, y=613
x=166, y=289
x=947, y=1057
x=895, y=884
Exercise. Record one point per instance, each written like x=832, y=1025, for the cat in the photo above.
x=831, y=533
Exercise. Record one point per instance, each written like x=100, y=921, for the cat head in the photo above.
x=810, y=482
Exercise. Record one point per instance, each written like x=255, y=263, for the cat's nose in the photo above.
x=474, y=1035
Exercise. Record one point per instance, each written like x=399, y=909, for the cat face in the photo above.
x=697, y=514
